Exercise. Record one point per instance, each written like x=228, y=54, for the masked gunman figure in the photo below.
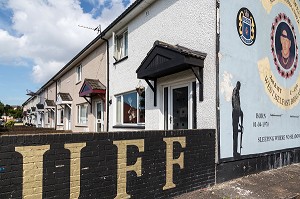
x=237, y=119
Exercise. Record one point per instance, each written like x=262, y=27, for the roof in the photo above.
x=91, y=87
x=94, y=41
x=95, y=84
x=64, y=99
x=182, y=50
x=130, y=12
x=50, y=103
x=65, y=96
x=119, y=18
x=164, y=59
x=40, y=106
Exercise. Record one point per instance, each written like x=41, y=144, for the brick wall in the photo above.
x=146, y=164
x=261, y=162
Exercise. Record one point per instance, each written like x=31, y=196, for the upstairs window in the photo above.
x=78, y=73
x=58, y=86
x=130, y=108
x=120, y=45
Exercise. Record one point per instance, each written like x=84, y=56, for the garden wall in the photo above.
x=146, y=164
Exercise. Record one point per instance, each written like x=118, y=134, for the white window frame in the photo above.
x=120, y=42
x=78, y=73
x=171, y=86
x=58, y=85
x=120, y=110
x=47, y=118
x=79, y=109
x=60, y=116
x=97, y=120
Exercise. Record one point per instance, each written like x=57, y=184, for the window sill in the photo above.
x=120, y=60
x=119, y=126
x=81, y=125
x=60, y=124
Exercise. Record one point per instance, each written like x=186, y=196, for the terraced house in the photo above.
x=230, y=66
x=74, y=98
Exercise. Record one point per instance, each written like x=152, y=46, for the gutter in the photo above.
x=102, y=34
x=117, y=20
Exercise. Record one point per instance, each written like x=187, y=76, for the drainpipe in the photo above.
x=55, y=114
x=107, y=83
x=217, y=141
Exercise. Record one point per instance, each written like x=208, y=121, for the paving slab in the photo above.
x=281, y=183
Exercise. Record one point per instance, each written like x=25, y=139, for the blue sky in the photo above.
x=38, y=38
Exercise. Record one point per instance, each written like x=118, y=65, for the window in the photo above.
x=60, y=116
x=82, y=114
x=121, y=45
x=130, y=108
x=48, y=117
x=58, y=85
x=78, y=73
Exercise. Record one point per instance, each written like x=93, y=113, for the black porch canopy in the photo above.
x=164, y=59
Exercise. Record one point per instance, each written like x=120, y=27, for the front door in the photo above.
x=52, y=120
x=179, y=108
x=99, y=116
x=68, y=115
x=177, y=105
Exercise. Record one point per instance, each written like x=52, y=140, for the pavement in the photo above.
x=281, y=183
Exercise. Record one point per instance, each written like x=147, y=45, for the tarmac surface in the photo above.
x=281, y=183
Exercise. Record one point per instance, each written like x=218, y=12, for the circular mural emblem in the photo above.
x=246, y=26
x=284, y=46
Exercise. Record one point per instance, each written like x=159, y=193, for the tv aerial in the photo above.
x=30, y=93
x=98, y=28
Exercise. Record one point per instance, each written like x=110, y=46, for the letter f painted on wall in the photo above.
x=170, y=161
x=122, y=165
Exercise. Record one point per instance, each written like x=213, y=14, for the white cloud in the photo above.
x=49, y=34
x=39, y=73
x=10, y=52
x=113, y=12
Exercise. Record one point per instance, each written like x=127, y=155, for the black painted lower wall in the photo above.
x=99, y=164
x=238, y=168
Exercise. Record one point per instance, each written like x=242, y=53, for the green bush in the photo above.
x=9, y=124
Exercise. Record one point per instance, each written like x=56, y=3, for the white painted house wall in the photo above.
x=189, y=23
x=31, y=118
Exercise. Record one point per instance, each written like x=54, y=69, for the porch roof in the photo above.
x=64, y=98
x=165, y=59
x=49, y=104
x=91, y=87
x=40, y=106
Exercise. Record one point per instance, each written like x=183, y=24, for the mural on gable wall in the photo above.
x=259, y=77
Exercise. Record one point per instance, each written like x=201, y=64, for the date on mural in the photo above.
x=259, y=122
